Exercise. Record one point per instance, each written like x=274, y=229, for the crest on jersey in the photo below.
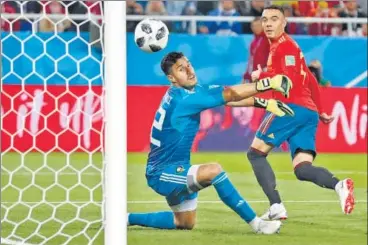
x=189, y=91
x=290, y=60
x=180, y=169
x=213, y=86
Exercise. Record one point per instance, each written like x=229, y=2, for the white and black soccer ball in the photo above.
x=151, y=35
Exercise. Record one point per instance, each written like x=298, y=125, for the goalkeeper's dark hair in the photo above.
x=169, y=60
x=275, y=7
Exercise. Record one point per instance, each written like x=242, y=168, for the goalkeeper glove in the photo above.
x=279, y=83
x=274, y=106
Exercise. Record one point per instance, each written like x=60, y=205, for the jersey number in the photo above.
x=158, y=125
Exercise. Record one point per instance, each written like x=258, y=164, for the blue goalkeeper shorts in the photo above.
x=299, y=131
x=174, y=184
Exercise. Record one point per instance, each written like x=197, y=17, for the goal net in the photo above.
x=52, y=122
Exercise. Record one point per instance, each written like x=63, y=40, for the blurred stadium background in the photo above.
x=51, y=88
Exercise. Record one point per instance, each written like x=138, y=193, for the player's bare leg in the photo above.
x=213, y=174
x=305, y=171
x=257, y=155
x=185, y=220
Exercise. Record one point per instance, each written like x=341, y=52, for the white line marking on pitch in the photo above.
x=252, y=201
x=11, y=242
x=129, y=173
x=208, y=202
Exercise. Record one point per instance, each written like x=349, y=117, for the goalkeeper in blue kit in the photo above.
x=169, y=172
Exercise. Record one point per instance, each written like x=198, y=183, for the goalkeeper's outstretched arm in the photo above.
x=248, y=102
x=274, y=106
x=240, y=92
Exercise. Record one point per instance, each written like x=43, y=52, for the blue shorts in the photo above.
x=176, y=183
x=299, y=131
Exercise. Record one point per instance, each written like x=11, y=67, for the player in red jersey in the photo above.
x=300, y=130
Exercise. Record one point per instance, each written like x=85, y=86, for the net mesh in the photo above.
x=51, y=123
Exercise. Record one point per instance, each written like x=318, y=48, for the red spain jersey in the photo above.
x=287, y=58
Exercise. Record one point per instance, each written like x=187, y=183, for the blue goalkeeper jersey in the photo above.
x=176, y=123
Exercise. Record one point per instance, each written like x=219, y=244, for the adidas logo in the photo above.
x=241, y=202
x=271, y=136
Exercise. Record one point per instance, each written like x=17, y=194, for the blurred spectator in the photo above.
x=95, y=8
x=133, y=8
x=362, y=32
x=225, y=8
x=243, y=7
x=363, y=6
x=14, y=4
x=316, y=68
x=323, y=9
x=335, y=4
x=29, y=7
x=32, y=7
x=9, y=24
x=283, y=2
x=307, y=8
x=185, y=26
x=143, y=3
x=292, y=27
x=336, y=28
x=206, y=6
x=258, y=50
x=77, y=7
x=321, y=28
x=95, y=35
x=295, y=8
x=351, y=11
x=50, y=24
x=157, y=8
x=175, y=7
x=256, y=9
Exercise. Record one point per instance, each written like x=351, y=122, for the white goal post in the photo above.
x=116, y=121
x=63, y=127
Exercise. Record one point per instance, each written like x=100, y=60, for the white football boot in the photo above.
x=265, y=227
x=277, y=211
x=128, y=219
x=345, y=190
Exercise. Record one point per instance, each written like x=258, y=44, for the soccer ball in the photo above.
x=151, y=35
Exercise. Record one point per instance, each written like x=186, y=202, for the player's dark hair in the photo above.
x=169, y=60
x=275, y=7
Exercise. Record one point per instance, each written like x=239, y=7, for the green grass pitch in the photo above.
x=315, y=215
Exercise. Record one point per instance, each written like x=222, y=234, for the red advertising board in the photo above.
x=54, y=118
x=57, y=118
x=348, y=131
